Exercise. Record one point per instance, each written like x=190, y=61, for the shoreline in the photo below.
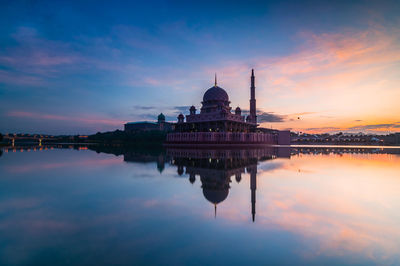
x=205, y=145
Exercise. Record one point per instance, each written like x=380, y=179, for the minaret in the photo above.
x=253, y=116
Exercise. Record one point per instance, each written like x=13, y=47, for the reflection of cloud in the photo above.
x=26, y=168
x=339, y=212
x=270, y=166
x=18, y=203
x=335, y=209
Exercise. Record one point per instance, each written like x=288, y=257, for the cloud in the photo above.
x=270, y=117
x=181, y=109
x=373, y=126
x=144, y=107
x=344, y=74
x=22, y=79
x=322, y=129
x=72, y=118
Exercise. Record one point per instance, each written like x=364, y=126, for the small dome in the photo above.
x=238, y=111
x=192, y=107
x=180, y=115
x=215, y=94
x=161, y=117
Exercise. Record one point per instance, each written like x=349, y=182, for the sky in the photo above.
x=79, y=67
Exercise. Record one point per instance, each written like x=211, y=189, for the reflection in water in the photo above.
x=315, y=205
x=216, y=167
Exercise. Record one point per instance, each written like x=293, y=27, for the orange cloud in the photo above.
x=341, y=76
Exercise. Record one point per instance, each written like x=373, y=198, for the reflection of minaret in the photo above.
x=160, y=163
x=192, y=178
x=180, y=170
x=253, y=187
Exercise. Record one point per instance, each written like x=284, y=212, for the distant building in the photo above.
x=160, y=125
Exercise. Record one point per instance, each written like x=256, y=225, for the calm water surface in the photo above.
x=299, y=206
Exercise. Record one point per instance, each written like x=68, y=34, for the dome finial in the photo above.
x=215, y=83
x=215, y=211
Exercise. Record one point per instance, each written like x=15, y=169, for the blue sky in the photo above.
x=87, y=66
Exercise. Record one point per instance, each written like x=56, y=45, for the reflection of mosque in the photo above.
x=216, y=167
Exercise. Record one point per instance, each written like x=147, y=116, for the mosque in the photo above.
x=217, y=124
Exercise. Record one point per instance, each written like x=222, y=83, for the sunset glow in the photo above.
x=320, y=67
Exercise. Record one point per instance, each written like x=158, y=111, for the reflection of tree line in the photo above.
x=342, y=150
x=153, y=152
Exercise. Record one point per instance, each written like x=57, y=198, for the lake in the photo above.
x=76, y=205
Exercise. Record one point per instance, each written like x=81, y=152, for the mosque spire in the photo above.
x=215, y=82
x=253, y=116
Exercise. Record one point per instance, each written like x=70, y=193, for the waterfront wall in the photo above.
x=280, y=137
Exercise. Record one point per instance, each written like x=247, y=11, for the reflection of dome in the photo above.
x=238, y=177
x=215, y=94
x=216, y=196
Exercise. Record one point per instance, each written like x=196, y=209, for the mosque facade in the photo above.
x=217, y=123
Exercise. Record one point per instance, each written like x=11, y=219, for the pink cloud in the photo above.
x=314, y=78
x=86, y=120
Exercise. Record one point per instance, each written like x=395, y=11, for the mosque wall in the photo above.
x=222, y=137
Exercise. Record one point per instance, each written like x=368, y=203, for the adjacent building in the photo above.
x=160, y=125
